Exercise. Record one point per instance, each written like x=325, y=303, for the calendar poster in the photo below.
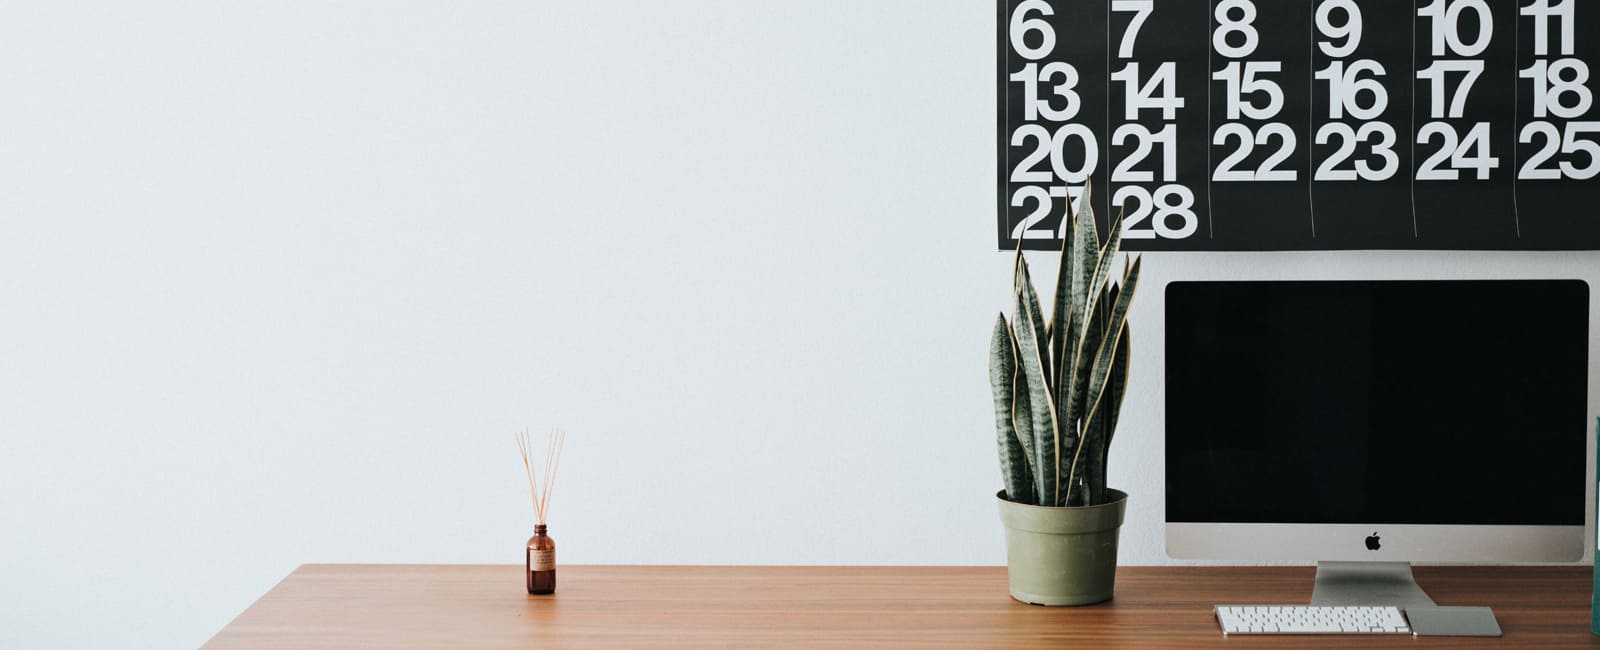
x=1301, y=124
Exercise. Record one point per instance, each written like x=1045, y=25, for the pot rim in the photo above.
x=1119, y=495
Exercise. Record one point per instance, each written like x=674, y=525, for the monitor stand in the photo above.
x=1368, y=583
x=1390, y=583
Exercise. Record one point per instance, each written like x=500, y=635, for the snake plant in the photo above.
x=1059, y=383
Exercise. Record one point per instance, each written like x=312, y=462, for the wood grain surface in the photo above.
x=475, y=606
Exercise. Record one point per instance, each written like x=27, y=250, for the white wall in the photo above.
x=279, y=280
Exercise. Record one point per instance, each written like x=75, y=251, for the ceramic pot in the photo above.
x=1062, y=556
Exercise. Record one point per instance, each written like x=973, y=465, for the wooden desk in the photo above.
x=696, y=607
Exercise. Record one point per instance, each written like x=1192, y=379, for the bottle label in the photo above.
x=542, y=560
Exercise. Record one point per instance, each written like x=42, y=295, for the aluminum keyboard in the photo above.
x=1310, y=619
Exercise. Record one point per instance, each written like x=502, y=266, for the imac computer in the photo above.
x=1366, y=425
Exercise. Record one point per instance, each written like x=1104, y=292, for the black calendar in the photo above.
x=1301, y=124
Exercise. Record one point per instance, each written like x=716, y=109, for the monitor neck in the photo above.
x=1367, y=583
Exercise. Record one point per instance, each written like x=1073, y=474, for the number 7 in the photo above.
x=1142, y=10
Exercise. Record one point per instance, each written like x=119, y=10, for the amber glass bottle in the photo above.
x=541, y=562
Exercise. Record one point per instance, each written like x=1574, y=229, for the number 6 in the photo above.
x=1021, y=25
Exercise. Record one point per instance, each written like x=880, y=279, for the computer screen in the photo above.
x=1384, y=420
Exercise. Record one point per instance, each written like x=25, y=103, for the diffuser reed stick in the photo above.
x=541, y=491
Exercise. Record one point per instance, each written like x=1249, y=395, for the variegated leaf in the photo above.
x=1105, y=355
x=1046, y=451
x=1014, y=459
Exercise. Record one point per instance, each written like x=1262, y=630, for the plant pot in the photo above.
x=1062, y=556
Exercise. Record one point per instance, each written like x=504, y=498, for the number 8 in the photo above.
x=1174, y=200
x=1226, y=25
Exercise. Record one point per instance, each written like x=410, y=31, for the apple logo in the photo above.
x=1372, y=541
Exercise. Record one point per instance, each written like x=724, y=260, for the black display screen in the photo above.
x=1380, y=402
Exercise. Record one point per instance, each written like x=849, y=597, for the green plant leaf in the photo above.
x=1014, y=459
x=1046, y=449
x=1024, y=288
x=1021, y=405
x=1104, y=355
x=1059, y=315
x=1078, y=264
x=1089, y=425
x=1084, y=489
x=1107, y=256
x=1093, y=328
x=1118, y=387
x=1119, y=372
x=1022, y=423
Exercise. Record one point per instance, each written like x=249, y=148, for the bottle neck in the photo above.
x=539, y=529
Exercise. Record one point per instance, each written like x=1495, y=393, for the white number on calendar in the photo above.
x=1348, y=27
x=1161, y=207
x=1543, y=11
x=1247, y=141
x=1470, y=152
x=1438, y=74
x=1033, y=106
x=1445, y=20
x=1054, y=147
x=1042, y=203
x=1022, y=25
x=1242, y=81
x=1559, y=87
x=1345, y=88
x=1572, y=142
x=1348, y=138
x=1167, y=137
x=1158, y=93
x=1235, y=17
x=1141, y=10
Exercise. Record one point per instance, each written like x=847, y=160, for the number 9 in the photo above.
x=1350, y=30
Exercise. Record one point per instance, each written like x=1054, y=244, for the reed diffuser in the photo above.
x=541, y=557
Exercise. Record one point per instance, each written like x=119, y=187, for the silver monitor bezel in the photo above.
x=1397, y=542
